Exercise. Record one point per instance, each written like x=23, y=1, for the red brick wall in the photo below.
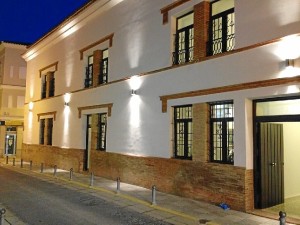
x=50, y=156
x=201, y=25
x=210, y=182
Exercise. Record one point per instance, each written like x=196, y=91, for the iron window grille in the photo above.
x=183, y=131
x=102, y=119
x=103, y=71
x=222, y=132
x=183, y=43
x=88, y=81
x=42, y=131
x=222, y=32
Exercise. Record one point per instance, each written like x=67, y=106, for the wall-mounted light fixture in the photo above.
x=67, y=98
x=30, y=106
x=289, y=63
x=133, y=92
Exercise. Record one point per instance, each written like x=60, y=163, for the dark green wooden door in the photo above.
x=271, y=164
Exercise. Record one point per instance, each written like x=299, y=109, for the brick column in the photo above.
x=201, y=132
x=201, y=29
x=97, y=58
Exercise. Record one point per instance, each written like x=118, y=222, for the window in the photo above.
x=103, y=76
x=222, y=28
x=42, y=131
x=88, y=82
x=222, y=130
x=48, y=85
x=183, y=131
x=46, y=129
x=184, y=39
x=101, y=144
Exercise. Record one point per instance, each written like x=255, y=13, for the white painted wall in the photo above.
x=141, y=44
x=291, y=159
x=262, y=20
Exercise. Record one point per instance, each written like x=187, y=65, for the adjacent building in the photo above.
x=12, y=97
x=198, y=97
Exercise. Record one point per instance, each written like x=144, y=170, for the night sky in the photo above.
x=25, y=21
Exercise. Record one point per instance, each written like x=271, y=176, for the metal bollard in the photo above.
x=30, y=165
x=14, y=161
x=282, y=216
x=71, y=174
x=2, y=212
x=55, y=170
x=42, y=167
x=118, y=185
x=92, y=179
x=153, y=195
x=21, y=163
x=6, y=159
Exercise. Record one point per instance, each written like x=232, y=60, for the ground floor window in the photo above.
x=183, y=131
x=101, y=144
x=46, y=129
x=221, y=132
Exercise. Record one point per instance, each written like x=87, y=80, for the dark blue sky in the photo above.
x=26, y=21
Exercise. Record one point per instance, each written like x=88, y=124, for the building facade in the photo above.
x=12, y=98
x=200, y=98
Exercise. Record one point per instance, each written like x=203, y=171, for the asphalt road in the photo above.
x=41, y=202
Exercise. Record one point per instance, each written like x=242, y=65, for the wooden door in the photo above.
x=271, y=164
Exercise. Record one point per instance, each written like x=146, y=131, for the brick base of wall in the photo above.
x=50, y=156
x=210, y=182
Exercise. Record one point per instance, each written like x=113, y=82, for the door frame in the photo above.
x=256, y=151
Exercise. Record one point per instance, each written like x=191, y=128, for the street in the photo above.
x=41, y=202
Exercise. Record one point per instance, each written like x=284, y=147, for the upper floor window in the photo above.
x=88, y=82
x=222, y=27
x=183, y=131
x=48, y=85
x=103, y=76
x=221, y=132
x=101, y=144
x=184, y=39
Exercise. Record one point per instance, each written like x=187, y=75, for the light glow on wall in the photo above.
x=135, y=82
x=67, y=98
x=135, y=102
x=135, y=46
x=66, y=128
x=288, y=48
x=30, y=106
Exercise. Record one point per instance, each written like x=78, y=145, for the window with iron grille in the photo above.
x=222, y=27
x=46, y=128
x=103, y=77
x=42, y=131
x=101, y=145
x=222, y=131
x=43, y=87
x=49, y=130
x=183, y=131
x=48, y=85
x=184, y=39
x=51, y=86
x=88, y=81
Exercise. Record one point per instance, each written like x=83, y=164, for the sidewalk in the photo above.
x=173, y=209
